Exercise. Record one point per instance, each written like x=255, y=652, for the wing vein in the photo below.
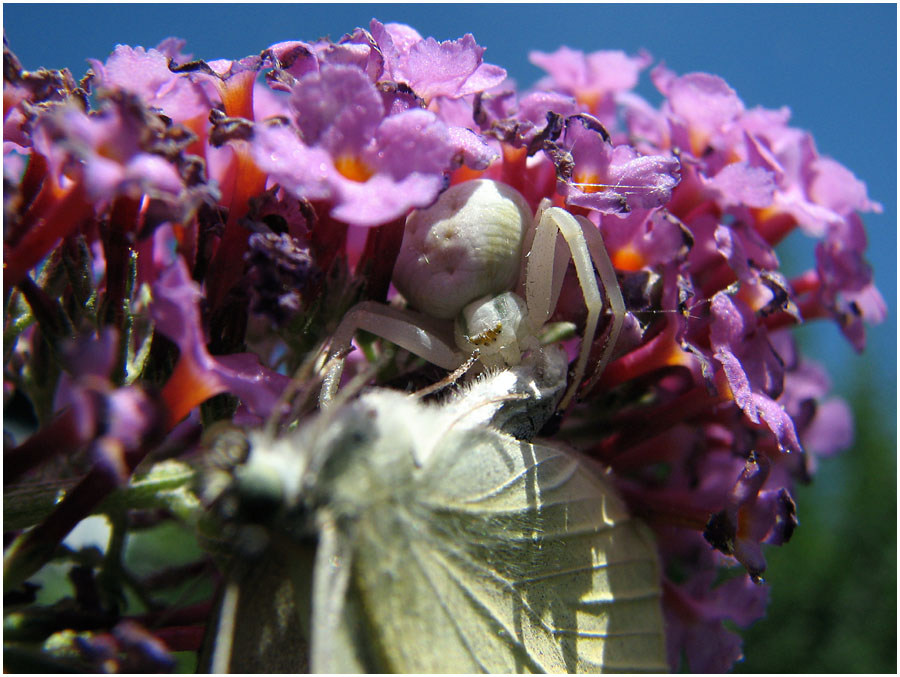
x=575, y=570
x=450, y=616
x=483, y=609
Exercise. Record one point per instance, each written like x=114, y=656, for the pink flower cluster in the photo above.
x=178, y=229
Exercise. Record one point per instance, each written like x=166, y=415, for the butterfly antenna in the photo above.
x=298, y=390
x=347, y=392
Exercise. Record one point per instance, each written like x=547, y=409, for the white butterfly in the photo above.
x=398, y=536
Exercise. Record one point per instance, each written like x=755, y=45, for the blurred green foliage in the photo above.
x=834, y=586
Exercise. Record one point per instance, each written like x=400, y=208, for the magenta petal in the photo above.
x=739, y=184
x=782, y=519
x=600, y=73
x=258, y=387
x=752, y=368
x=337, y=108
x=402, y=36
x=752, y=517
x=485, y=76
x=175, y=298
x=130, y=415
x=613, y=180
x=408, y=154
x=731, y=247
x=535, y=106
x=306, y=172
x=103, y=177
x=360, y=55
x=146, y=73
x=749, y=553
x=759, y=155
x=108, y=149
x=153, y=175
x=706, y=100
x=831, y=430
x=742, y=601
x=472, y=148
x=646, y=181
x=835, y=187
x=779, y=422
x=726, y=332
x=452, y=68
x=412, y=141
x=382, y=198
x=175, y=311
x=697, y=630
x=394, y=40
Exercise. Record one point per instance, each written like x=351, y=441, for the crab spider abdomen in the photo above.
x=466, y=245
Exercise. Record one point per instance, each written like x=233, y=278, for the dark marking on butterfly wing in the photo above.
x=258, y=626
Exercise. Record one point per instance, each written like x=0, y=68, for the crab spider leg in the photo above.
x=607, y=274
x=545, y=264
x=539, y=281
x=405, y=328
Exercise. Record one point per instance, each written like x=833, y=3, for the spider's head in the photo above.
x=497, y=327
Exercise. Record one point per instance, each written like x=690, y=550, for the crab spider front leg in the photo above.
x=613, y=292
x=408, y=329
x=542, y=282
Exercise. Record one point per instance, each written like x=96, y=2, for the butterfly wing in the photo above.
x=507, y=556
x=339, y=641
x=449, y=547
x=257, y=624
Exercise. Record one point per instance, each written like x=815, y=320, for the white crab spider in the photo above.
x=462, y=258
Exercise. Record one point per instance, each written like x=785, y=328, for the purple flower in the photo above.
x=847, y=292
x=146, y=74
x=598, y=176
x=595, y=80
x=106, y=150
x=835, y=187
x=603, y=72
x=751, y=517
x=813, y=189
x=433, y=69
x=694, y=614
x=126, y=417
x=122, y=150
x=522, y=123
x=372, y=168
x=294, y=59
x=198, y=374
x=26, y=93
x=740, y=184
x=702, y=111
x=824, y=423
x=753, y=369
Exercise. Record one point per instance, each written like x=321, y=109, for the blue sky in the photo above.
x=835, y=66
